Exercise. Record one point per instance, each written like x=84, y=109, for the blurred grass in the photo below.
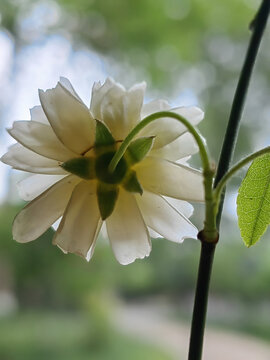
x=65, y=336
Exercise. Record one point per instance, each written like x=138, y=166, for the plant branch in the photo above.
x=258, y=26
x=201, y=299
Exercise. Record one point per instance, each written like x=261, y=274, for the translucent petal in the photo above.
x=159, y=215
x=167, y=178
x=181, y=147
x=181, y=206
x=21, y=158
x=77, y=230
x=118, y=108
x=38, y=115
x=98, y=93
x=167, y=130
x=69, y=118
x=34, y=185
x=154, y=106
x=41, y=139
x=67, y=84
x=36, y=217
x=127, y=231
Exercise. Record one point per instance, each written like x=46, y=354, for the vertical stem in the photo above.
x=201, y=299
x=208, y=248
x=258, y=26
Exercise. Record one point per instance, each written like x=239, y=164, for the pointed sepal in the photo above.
x=139, y=148
x=103, y=135
x=84, y=167
x=131, y=183
x=107, y=196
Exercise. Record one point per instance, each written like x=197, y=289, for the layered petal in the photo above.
x=67, y=84
x=38, y=115
x=127, y=231
x=98, y=93
x=118, y=108
x=41, y=139
x=36, y=217
x=164, y=219
x=154, y=106
x=168, y=129
x=34, y=185
x=24, y=159
x=183, y=146
x=69, y=118
x=77, y=231
x=167, y=178
x=183, y=207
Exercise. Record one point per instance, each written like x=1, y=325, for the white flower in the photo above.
x=68, y=147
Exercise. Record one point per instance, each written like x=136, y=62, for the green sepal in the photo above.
x=103, y=135
x=84, y=167
x=131, y=183
x=107, y=196
x=139, y=148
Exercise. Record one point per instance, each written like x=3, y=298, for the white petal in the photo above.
x=167, y=178
x=36, y=217
x=77, y=230
x=167, y=129
x=154, y=106
x=181, y=206
x=164, y=219
x=24, y=159
x=69, y=118
x=34, y=185
x=127, y=231
x=98, y=93
x=112, y=113
x=181, y=147
x=133, y=101
x=41, y=139
x=153, y=234
x=67, y=84
x=92, y=247
x=38, y=115
x=118, y=108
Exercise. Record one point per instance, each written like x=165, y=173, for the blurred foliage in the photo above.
x=65, y=336
x=43, y=275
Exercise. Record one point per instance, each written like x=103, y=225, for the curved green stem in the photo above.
x=161, y=114
x=233, y=170
x=210, y=233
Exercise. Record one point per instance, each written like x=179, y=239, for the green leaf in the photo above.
x=83, y=167
x=131, y=183
x=253, y=201
x=107, y=196
x=103, y=135
x=139, y=148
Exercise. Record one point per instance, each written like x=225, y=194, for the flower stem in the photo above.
x=208, y=249
x=210, y=233
x=161, y=114
x=201, y=299
x=258, y=26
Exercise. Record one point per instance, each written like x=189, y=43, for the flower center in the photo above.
x=103, y=173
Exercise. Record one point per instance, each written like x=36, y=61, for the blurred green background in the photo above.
x=55, y=306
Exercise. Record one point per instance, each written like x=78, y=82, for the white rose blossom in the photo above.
x=68, y=147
